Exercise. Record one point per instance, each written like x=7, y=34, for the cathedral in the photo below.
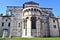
x=29, y=20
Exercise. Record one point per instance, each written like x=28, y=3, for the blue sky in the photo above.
x=55, y=4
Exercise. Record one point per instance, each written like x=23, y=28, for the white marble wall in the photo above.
x=53, y=31
x=1, y=26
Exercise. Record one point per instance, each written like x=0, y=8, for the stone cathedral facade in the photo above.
x=29, y=20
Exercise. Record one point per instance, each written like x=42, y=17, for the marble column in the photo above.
x=28, y=27
x=38, y=25
x=43, y=31
x=10, y=32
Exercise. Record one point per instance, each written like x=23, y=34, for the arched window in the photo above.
x=2, y=23
x=19, y=24
x=8, y=24
x=33, y=22
x=6, y=20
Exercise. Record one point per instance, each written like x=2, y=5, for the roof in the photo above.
x=31, y=2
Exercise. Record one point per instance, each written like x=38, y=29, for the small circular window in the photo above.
x=6, y=19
